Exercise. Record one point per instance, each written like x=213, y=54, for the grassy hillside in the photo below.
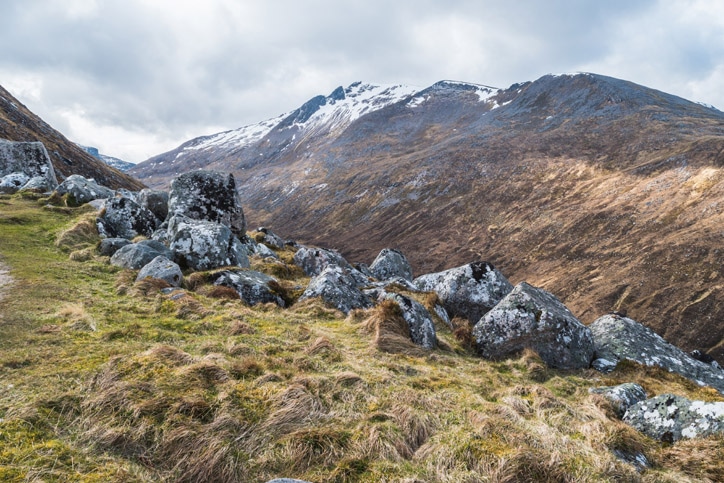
x=104, y=379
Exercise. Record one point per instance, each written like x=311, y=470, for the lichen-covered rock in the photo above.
x=468, y=291
x=38, y=184
x=271, y=238
x=419, y=320
x=108, y=246
x=252, y=287
x=391, y=263
x=155, y=201
x=264, y=251
x=617, y=337
x=30, y=159
x=313, y=261
x=136, y=255
x=204, y=245
x=622, y=396
x=529, y=317
x=669, y=418
x=164, y=269
x=124, y=218
x=207, y=196
x=337, y=288
x=12, y=182
x=82, y=190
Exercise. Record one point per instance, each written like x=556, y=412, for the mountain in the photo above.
x=18, y=123
x=116, y=163
x=603, y=191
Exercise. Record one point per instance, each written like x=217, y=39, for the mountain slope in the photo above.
x=18, y=123
x=602, y=191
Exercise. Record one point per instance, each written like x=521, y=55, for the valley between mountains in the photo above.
x=605, y=192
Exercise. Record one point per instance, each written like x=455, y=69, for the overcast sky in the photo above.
x=139, y=77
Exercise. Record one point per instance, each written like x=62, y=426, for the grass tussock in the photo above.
x=82, y=234
x=391, y=333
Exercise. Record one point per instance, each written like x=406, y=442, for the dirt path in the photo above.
x=5, y=280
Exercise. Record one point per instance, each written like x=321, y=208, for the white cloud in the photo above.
x=136, y=77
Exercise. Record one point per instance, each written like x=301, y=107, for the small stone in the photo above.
x=163, y=269
x=391, y=263
x=622, y=396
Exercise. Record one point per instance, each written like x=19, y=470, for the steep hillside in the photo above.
x=18, y=123
x=605, y=192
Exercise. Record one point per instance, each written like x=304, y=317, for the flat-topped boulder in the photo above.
x=80, y=190
x=669, y=418
x=207, y=196
x=468, y=291
x=29, y=158
x=164, y=269
x=137, y=255
x=391, y=263
x=617, y=338
x=204, y=245
x=530, y=317
x=253, y=287
x=338, y=289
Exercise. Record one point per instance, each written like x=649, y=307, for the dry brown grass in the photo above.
x=218, y=292
x=75, y=317
x=391, y=333
x=82, y=233
x=148, y=287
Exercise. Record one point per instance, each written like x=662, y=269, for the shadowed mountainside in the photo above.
x=605, y=192
x=18, y=123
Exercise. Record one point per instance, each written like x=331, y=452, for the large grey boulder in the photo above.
x=337, y=288
x=124, y=218
x=208, y=196
x=136, y=255
x=313, y=261
x=468, y=291
x=419, y=320
x=108, y=246
x=622, y=396
x=253, y=287
x=163, y=269
x=669, y=418
x=529, y=317
x=617, y=338
x=12, y=182
x=391, y=263
x=30, y=159
x=155, y=201
x=204, y=245
x=81, y=190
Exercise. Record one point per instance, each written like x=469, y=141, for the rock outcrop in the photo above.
x=81, y=190
x=163, y=269
x=468, y=291
x=338, y=289
x=529, y=317
x=669, y=418
x=313, y=260
x=617, y=338
x=391, y=263
x=204, y=245
x=124, y=218
x=207, y=196
x=137, y=255
x=253, y=287
x=622, y=396
x=12, y=182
